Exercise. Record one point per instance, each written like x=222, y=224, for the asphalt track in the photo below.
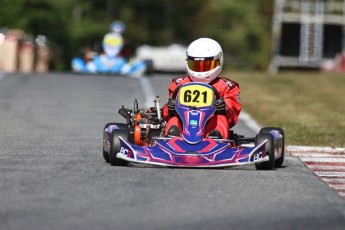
x=53, y=176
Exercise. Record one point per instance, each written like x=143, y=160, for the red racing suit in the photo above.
x=228, y=89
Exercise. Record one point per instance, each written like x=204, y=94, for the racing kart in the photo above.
x=141, y=138
x=116, y=66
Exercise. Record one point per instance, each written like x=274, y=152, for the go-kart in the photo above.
x=115, y=66
x=141, y=139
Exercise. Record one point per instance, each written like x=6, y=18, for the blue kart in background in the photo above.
x=110, y=61
x=115, y=66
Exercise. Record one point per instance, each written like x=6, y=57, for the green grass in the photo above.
x=309, y=106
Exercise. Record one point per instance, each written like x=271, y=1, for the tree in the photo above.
x=242, y=28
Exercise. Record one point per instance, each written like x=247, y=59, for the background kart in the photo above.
x=114, y=66
x=141, y=139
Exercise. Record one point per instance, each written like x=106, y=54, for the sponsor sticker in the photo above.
x=259, y=156
x=124, y=151
x=229, y=84
x=193, y=123
x=238, y=98
x=179, y=80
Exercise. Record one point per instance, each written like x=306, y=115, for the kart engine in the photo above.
x=144, y=125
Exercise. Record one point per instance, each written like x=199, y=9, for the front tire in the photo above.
x=269, y=148
x=105, y=153
x=115, y=147
x=278, y=162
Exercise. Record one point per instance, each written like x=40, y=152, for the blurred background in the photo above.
x=42, y=35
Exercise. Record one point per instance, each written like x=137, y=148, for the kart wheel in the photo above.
x=115, y=146
x=268, y=165
x=105, y=153
x=279, y=162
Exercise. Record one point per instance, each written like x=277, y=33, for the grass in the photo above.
x=309, y=106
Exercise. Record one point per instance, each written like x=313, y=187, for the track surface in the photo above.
x=52, y=175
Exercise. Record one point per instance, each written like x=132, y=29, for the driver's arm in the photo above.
x=232, y=104
x=165, y=109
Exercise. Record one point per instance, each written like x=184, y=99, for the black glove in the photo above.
x=171, y=107
x=220, y=106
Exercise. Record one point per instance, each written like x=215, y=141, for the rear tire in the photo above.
x=279, y=162
x=115, y=146
x=267, y=165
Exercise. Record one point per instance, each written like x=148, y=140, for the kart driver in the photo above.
x=204, y=64
x=110, y=61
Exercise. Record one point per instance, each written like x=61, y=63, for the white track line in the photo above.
x=327, y=168
x=330, y=174
x=335, y=180
x=249, y=121
x=323, y=160
x=315, y=149
x=319, y=155
x=2, y=75
x=148, y=91
x=342, y=186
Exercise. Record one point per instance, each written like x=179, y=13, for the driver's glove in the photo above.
x=171, y=107
x=220, y=106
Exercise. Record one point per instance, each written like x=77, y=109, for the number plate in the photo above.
x=196, y=96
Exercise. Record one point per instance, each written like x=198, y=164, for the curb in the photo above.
x=316, y=149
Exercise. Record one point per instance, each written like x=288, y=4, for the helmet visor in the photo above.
x=202, y=64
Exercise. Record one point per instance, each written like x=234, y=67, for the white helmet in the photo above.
x=204, y=60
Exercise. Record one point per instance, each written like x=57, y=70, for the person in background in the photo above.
x=111, y=61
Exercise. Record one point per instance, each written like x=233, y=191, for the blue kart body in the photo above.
x=141, y=140
x=106, y=65
x=178, y=153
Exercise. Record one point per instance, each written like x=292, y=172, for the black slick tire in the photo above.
x=115, y=147
x=278, y=162
x=267, y=165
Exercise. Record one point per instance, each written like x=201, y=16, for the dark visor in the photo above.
x=202, y=64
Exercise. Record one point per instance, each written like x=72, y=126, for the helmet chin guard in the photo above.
x=205, y=76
